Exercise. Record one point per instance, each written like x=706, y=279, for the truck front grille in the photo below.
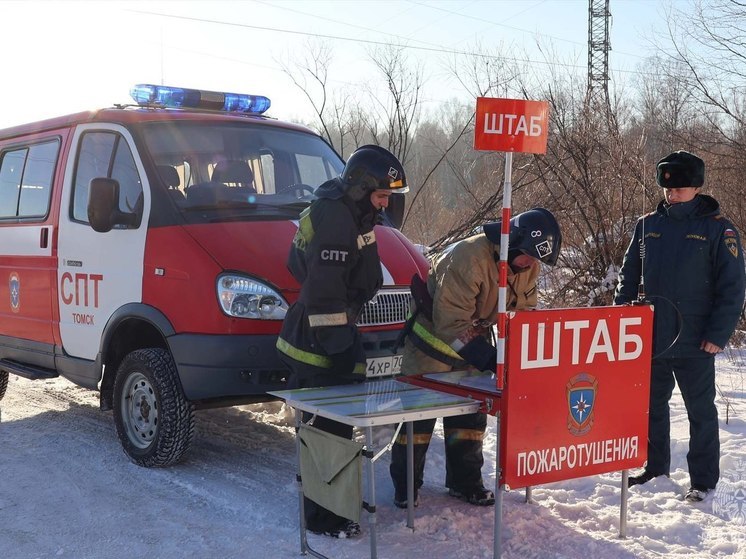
x=389, y=306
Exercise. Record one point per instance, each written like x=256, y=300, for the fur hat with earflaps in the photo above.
x=681, y=169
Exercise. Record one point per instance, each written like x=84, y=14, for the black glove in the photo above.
x=480, y=353
x=335, y=339
x=343, y=366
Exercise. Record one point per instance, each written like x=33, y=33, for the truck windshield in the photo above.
x=227, y=165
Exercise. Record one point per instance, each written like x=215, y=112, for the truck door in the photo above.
x=99, y=272
x=27, y=264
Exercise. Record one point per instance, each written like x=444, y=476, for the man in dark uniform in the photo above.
x=463, y=285
x=692, y=269
x=335, y=259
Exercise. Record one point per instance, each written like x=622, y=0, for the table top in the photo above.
x=377, y=402
x=478, y=380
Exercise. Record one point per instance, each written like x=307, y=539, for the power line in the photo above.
x=368, y=41
x=483, y=20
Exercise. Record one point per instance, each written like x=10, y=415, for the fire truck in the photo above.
x=143, y=250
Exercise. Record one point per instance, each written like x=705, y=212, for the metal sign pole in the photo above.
x=503, y=268
x=623, y=506
x=497, y=544
x=500, y=368
x=507, y=125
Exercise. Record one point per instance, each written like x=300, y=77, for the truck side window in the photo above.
x=313, y=169
x=26, y=180
x=105, y=154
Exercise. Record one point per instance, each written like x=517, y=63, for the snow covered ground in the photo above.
x=67, y=490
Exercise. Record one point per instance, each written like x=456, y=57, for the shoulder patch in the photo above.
x=732, y=245
x=730, y=233
x=366, y=239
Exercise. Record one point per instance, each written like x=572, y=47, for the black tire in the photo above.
x=154, y=420
x=3, y=383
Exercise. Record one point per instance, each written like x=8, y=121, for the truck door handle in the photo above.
x=44, y=237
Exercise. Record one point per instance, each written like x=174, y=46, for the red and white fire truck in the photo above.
x=143, y=250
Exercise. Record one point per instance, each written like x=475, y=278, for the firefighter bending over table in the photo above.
x=455, y=313
x=334, y=257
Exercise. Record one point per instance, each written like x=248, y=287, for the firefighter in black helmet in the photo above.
x=334, y=257
x=456, y=311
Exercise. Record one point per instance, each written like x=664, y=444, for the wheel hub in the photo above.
x=140, y=411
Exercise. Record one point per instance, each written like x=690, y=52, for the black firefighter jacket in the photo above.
x=693, y=259
x=334, y=257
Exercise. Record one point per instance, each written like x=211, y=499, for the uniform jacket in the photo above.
x=334, y=257
x=693, y=259
x=464, y=284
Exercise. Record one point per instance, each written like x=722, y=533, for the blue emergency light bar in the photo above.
x=179, y=97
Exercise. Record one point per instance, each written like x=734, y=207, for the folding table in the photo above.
x=368, y=405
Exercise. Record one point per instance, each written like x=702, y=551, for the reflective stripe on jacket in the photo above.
x=334, y=257
x=464, y=284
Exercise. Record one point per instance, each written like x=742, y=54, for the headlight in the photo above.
x=245, y=297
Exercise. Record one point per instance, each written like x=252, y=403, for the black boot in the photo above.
x=479, y=496
x=345, y=529
x=401, y=500
x=644, y=477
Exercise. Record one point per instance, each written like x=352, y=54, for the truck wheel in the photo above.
x=3, y=383
x=154, y=420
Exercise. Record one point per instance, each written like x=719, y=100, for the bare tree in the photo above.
x=597, y=176
x=592, y=178
x=338, y=115
x=395, y=115
x=710, y=43
x=666, y=105
x=467, y=182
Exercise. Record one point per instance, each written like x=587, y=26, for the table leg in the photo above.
x=410, y=475
x=372, y=521
x=301, y=508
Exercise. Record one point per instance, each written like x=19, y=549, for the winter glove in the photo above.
x=343, y=365
x=480, y=354
x=335, y=339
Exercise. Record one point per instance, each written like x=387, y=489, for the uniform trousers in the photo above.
x=696, y=380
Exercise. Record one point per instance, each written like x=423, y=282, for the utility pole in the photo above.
x=598, y=54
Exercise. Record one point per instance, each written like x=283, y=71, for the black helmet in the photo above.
x=372, y=168
x=680, y=169
x=534, y=232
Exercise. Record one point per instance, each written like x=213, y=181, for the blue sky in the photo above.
x=62, y=57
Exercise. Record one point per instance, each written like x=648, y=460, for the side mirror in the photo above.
x=395, y=210
x=103, y=206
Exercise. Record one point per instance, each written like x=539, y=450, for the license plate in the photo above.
x=383, y=366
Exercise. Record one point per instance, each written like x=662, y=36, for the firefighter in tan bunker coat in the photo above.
x=455, y=313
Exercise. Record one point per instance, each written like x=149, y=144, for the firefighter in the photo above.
x=334, y=257
x=451, y=332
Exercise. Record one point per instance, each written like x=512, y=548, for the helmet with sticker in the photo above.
x=534, y=232
x=372, y=168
